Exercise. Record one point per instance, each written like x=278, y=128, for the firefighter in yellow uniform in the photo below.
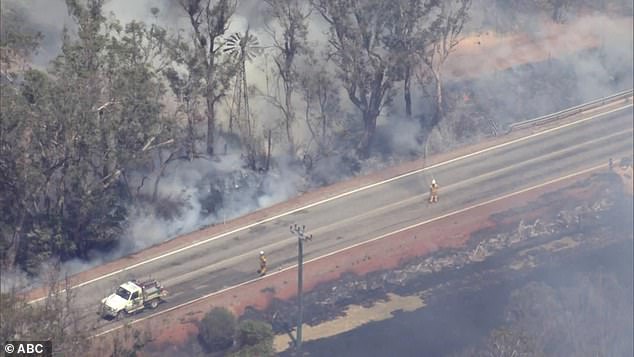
x=262, y=269
x=433, y=191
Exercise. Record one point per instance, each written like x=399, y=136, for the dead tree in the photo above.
x=209, y=20
x=445, y=30
x=289, y=42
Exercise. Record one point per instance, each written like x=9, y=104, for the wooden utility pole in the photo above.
x=301, y=237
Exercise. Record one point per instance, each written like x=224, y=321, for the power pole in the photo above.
x=301, y=237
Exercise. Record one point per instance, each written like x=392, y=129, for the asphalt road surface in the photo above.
x=379, y=210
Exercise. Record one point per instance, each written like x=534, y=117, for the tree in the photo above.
x=558, y=7
x=217, y=329
x=72, y=134
x=366, y=69
x=14, y=173
x=321, y=99
x=187, y=92
x=56, y=318
x=591, y=316
x=209, y=21
x=505, y=342
x=291, y=18
x=254, y=338
x=17, y=40
x=69, y=204
x=445, y=32
x=17, y=43
x=408, y=37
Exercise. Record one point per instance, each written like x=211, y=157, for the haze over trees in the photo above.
x=80, y=139
x=90, y=138
x=592, y=316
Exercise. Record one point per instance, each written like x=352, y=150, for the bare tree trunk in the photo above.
x=209, y=21
x=407, y=92
x=159, y=175
x=369, y=120
x=211, y=122
x=323, y=130
x=268, y=153
x=439, y=98
x=210, y=97
x=191, y=133
x=289, y=117
x=12, y=250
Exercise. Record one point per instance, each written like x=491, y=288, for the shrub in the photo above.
x=255, y=338
x=217, y=329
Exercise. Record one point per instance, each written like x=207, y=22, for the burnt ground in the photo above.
x=455, y=320
x=465, y=294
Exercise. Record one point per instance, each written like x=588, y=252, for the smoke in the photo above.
x=520, y=76
x=511, y=65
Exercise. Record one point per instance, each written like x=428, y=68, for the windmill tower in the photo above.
x=242, y=48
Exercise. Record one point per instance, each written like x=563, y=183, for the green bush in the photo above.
x=255, y=338
x=252, y=332
x=217, y=329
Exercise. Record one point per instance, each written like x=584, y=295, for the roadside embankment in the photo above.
x=562, y=226
x=449, y=243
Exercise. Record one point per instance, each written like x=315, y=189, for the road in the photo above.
x=367, y=213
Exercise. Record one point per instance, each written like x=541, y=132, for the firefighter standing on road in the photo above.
x=433, y=191
x=262, y=269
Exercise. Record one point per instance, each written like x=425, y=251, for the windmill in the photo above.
x=242, y=48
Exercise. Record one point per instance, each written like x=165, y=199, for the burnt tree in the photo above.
x=209, y=21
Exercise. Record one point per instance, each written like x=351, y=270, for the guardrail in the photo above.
x=570, y=111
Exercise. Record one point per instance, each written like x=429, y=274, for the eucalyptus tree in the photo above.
x=408, y=36
x=445, y=32
x=93, y=117
x=321, y=98
x=209, y=20
x=367, y=69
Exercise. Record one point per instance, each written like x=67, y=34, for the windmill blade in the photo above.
x=246, y=46
x=233, y=44
x=235, y=37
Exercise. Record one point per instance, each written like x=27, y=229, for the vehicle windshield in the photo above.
x=123, y=293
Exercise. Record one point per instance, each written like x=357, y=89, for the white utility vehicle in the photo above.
x=131, y=297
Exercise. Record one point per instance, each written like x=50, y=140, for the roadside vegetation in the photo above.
x=89, y=140
x=220, y=334
x=589, y=316
x=56, y=319
x=90, y=136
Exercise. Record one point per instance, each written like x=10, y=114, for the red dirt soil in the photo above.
x=475, y=50
x=259, y=215
x=174, y=328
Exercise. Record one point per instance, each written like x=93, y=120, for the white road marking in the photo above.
x=348, y=193
x=594, y=168
x=448, y=188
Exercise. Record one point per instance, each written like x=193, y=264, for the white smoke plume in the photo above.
x=212, y=191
